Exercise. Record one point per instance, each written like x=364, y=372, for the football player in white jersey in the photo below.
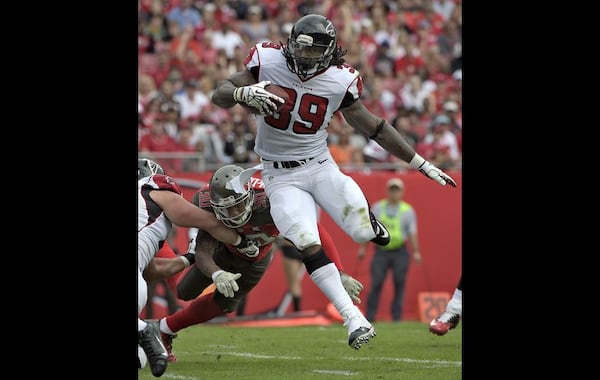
x=298, y=170
x=160, y=205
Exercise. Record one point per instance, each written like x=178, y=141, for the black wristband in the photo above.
x=191, y=257
x=378, y=129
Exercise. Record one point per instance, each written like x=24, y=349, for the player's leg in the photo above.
x=455, y=304
x=329, y=247
x=192, y=284
x=295, y=214
x=142, y=294
x=251, y=272
x=166, y=251
x=149, y=334
x=211, y=305
x=292, y=267
x=341, y=197
x=451, y=316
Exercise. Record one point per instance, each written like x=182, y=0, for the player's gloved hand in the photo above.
x=353, y=286
x=248, y=247
x=429, y=170
x=257, y=97
x=225, y=282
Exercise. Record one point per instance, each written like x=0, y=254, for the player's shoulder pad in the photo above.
x=348, y=77
x=163, y=182
x=264, y=53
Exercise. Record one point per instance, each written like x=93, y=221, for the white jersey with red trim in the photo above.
x=153, y=225
x=299, y=129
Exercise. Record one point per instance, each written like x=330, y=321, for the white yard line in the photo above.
x=179, y=377
x=433, y=363
x=330, y=372
x=409, y=360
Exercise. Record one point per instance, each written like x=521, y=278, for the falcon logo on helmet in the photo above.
x=311, y=45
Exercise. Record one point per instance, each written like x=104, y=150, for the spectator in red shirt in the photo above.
x=411, y=63
x=159, y=141
x=183, y=41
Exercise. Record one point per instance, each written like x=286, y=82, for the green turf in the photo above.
x=400, y=351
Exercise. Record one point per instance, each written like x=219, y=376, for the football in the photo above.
x=274, y=89
x=279, y=91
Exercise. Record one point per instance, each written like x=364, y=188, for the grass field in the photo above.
x=400, y=351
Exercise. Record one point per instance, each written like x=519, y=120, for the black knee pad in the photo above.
x=186, y=293
x=316, y=261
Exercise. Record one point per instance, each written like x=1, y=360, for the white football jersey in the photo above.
x=299, y=129
x=153, y=225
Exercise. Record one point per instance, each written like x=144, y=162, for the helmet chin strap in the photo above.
x=237, y=183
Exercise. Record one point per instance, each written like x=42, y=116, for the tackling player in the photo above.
x=234, y=273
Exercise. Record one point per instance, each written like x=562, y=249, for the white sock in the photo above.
x=164, y=327
x=455, y=304
x=327, y=278
x=141, y=324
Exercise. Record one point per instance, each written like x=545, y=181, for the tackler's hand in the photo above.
x=353, y=286
x=225, y=282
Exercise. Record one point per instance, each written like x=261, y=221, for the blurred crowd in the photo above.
x=407, y=51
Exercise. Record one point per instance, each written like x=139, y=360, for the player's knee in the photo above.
x=307, y=242
x=185, y=293
x=228, y=305
x=358, y=226
x=316, y=260
x=362, y=235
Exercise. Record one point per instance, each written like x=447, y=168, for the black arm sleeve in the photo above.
x=348, y=100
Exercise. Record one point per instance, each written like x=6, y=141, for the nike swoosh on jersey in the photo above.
x=320, y=162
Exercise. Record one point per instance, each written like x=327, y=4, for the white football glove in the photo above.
x=225, y=282
x=429, y=170
x=353, y=286
x=257, y=97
